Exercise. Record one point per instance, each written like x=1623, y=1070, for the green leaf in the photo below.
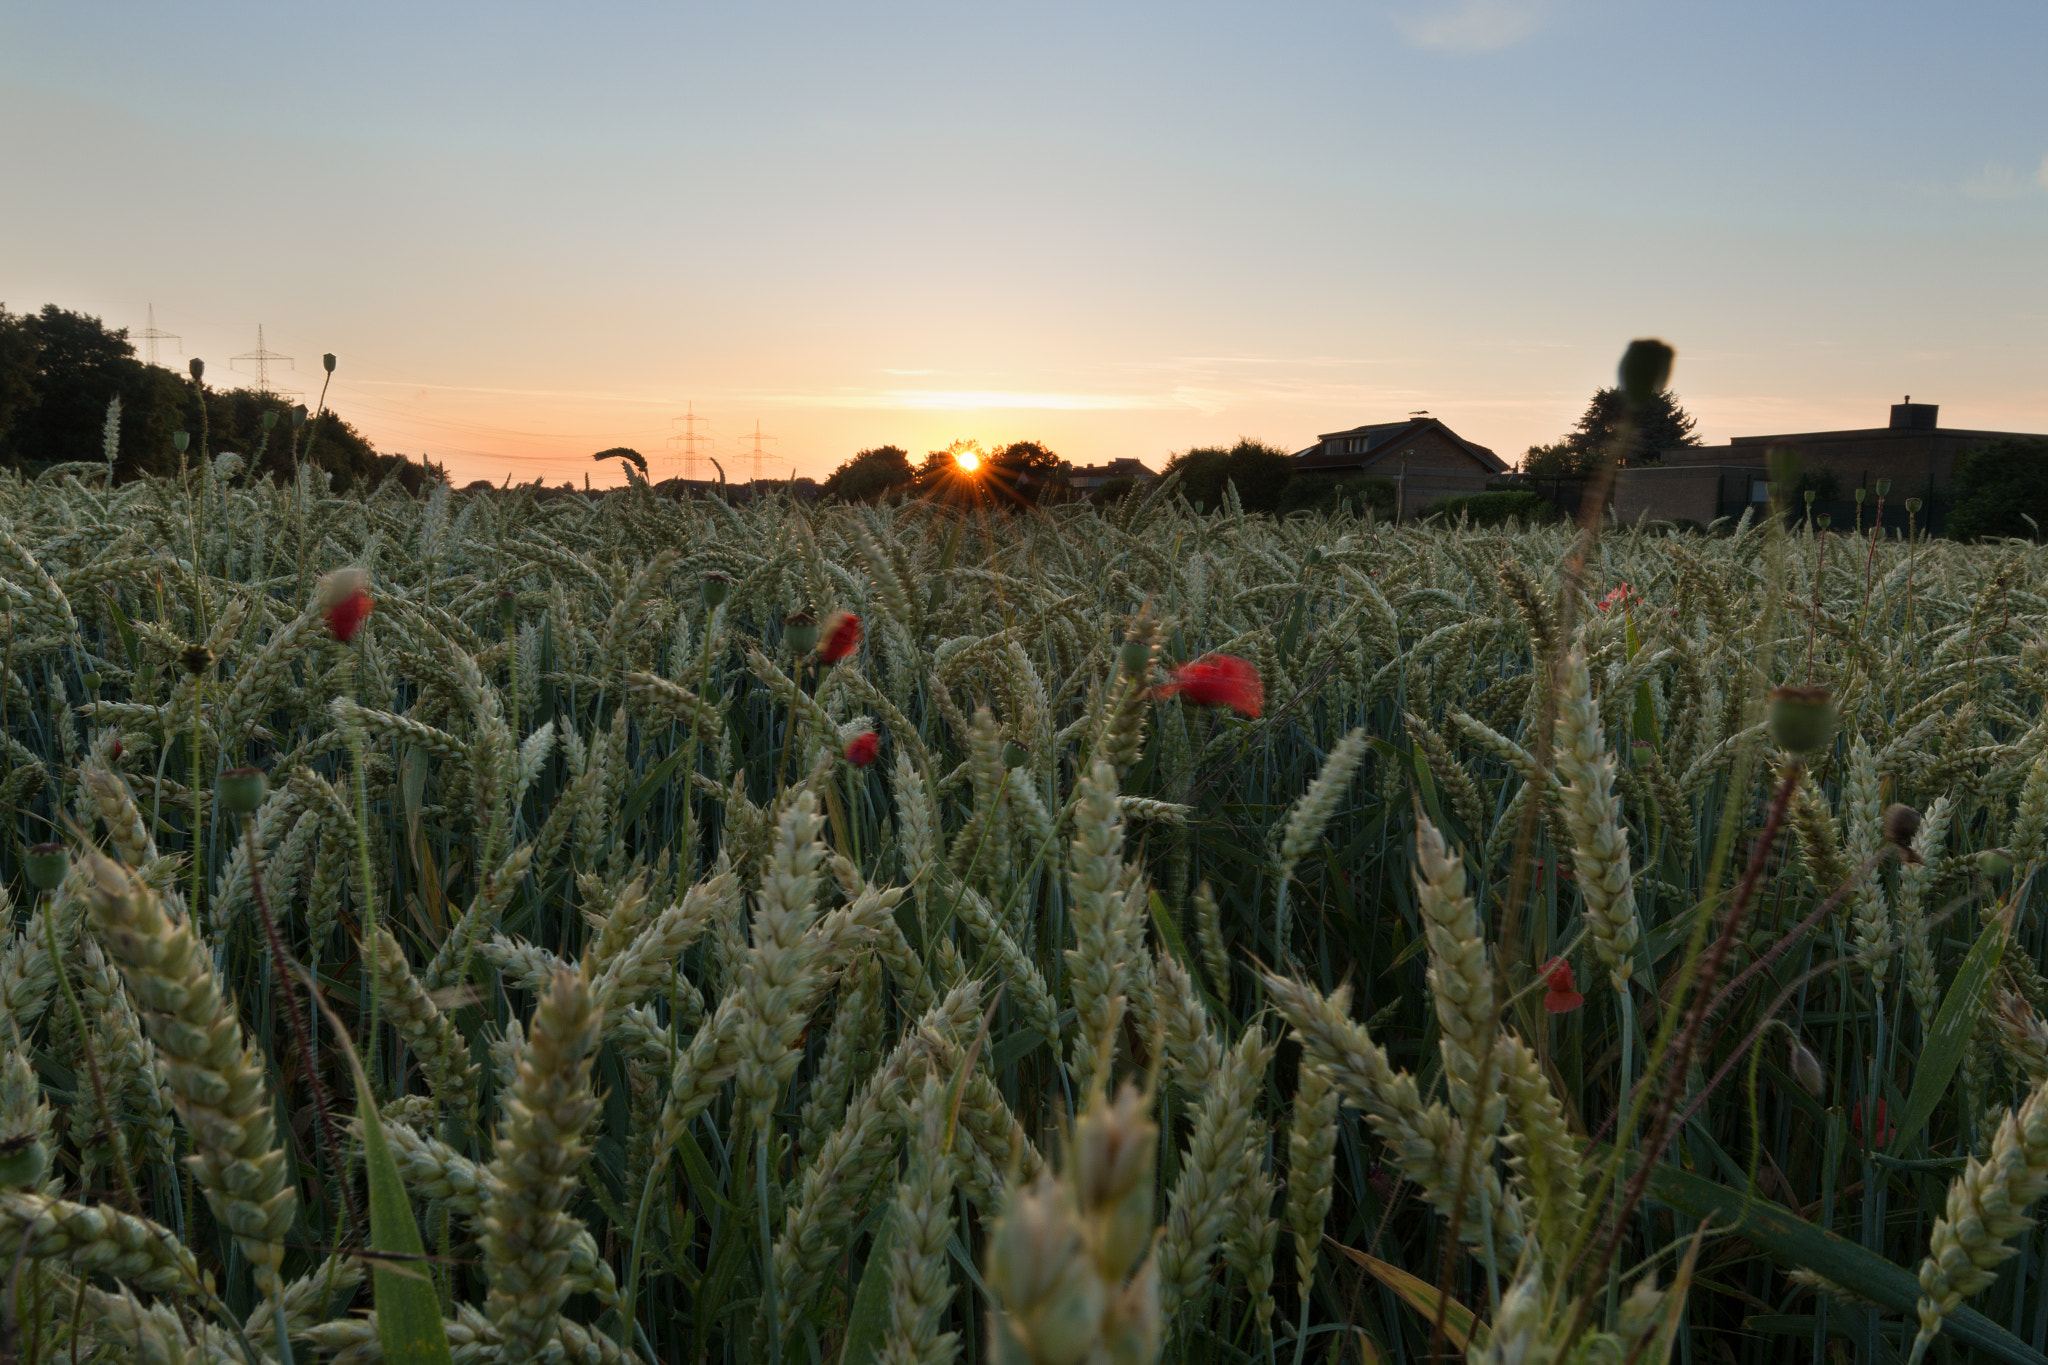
x=1950, y=1034
x=1417, y=1293
x=408, y=1307
x=869, y=1320
x=644, y=794
x=1790, y=1240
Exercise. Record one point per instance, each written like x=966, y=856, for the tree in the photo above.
x=1260, y=473
x=1023, y=472
x=870, y=475
x=1996, y=487
x=1608, y=430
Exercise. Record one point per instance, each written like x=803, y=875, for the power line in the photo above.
x=757, y=458
x=689, y=458
x=261, y=358
x=150, y=336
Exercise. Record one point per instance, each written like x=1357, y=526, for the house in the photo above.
x=1425, y=460
x=1913, y=451
x=1086, y=478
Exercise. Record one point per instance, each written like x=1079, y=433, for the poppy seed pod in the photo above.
x=1645, y=369
x=1802, y=719
x=1135, y=657
x=1860, y=495
x=717, y=587
x=196, y=368
x=1809, y=495
x=1015, y=755
x=179, y=440
x=240, y=790
x=270, y=420
x=299, y=416
x=800, y=632
x=327, y=362
x=1901, y=823
x=46, y=865
x=1912, y=504
x=196, y=659
x=1884, y=486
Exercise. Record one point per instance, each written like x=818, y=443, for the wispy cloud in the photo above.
x=1472, y=25
x=1997, y=181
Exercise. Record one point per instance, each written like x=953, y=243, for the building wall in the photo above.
x=1919, y=463
x=1436, y=468
x=1683, y=492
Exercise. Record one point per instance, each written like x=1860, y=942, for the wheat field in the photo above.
x=625, y=955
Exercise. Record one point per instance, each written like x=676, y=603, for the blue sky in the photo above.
x=531, y=232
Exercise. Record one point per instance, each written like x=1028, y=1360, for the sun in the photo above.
x=968, y=460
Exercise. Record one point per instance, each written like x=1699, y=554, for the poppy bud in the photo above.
x=1807, y=1071
x=1884, y=486
x=800, y=632
x=327, y=362
x=46, y=865
x=197, y=368
x=1135, y=657
x=1901, y=823
x=508, y=610
x=1645, y=370
x=179, y=440
x=1015, y=755
x=196, y=659
x=240, y=790
x=1994, y=862
x=1809, y=495
x=1912, y=504
x=299, y=416
x=270, y=420
x=91, y=681
x=1802, y=719
x=1859, y=496
x=717, y=587
x=23, y=1160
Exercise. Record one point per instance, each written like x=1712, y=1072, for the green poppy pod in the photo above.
x=240, y=790
x=1801, y=719
x=47, y=865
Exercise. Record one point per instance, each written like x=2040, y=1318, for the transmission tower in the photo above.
x=757, y=458
x=261, y=358
x=689, y=457
x=150, y=336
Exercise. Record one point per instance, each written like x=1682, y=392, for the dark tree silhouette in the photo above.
x=870, y=476
x=1607, y=430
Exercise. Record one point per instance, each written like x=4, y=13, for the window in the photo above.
x=1759, y=491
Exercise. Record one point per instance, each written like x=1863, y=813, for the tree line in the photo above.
x=60, y=372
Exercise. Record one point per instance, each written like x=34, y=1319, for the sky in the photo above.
x=531, y=232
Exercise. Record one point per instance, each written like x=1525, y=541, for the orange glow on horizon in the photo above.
x=969, y=461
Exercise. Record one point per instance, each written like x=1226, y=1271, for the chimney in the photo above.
x=1911, y=416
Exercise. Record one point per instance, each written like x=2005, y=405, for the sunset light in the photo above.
x=968, y=460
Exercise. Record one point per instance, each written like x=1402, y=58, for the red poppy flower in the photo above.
x=1621, y=596
x=346, y=617
x=1563, y=996
x=841, y=637
x=1221, y=680
x=1878, y=1134
x=344, y=600
x=862, y=748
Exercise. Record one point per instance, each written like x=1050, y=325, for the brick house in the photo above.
x=1425, y=460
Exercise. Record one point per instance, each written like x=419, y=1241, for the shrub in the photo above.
x=1495, y=508
x=1260, y=472
x=1997, y=487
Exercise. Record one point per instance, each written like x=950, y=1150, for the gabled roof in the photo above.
x=1384, y=438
